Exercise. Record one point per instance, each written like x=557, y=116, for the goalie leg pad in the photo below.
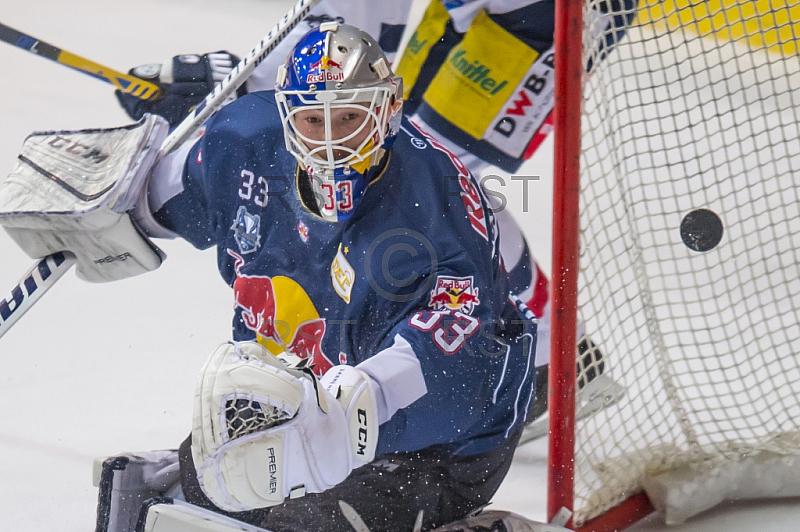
x=126, y=481
x=74, y=191
x=167, y=515
x=177, y=516
x=501, y=521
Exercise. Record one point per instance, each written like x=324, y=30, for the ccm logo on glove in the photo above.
x=362, y=432
x=76, y=148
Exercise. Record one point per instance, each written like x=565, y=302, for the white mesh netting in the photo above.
x=697, y=107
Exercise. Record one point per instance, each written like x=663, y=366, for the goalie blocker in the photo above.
x=83, y=192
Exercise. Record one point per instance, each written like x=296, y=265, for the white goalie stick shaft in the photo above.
x=237, y=76
x=46, y=271
x=38, y=280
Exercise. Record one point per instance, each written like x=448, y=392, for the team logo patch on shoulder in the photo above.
x=342, y=275
x=454, y=293
x=247, y=231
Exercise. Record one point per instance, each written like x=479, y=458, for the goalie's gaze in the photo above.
x=335, y=135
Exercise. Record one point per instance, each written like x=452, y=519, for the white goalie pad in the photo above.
x=126, y=481
x=500, y=520
x=179, y=516
x=74, y=191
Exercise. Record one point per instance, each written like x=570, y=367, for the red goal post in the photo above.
x=676, y=242
x=563, y=319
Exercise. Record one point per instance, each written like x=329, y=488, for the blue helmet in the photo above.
x=340, y=105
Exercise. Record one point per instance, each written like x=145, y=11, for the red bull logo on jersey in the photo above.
x=324, y=70
x=302, y=230
x=281, y=314
x=454, y=293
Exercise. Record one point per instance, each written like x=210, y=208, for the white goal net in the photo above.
x=690, y=253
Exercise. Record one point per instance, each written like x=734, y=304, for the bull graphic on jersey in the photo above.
x=454, y=293
x=281, y=314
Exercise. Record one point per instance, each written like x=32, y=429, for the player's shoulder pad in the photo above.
x=435, y=177
x=435, y=168
x=415, y=144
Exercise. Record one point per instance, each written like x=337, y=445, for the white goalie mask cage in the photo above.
x=338, y=71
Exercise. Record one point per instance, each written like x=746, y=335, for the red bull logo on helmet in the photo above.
x=326, y=70
x=454, y=293
x=281, y=314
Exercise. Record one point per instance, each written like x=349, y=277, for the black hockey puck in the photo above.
x=701, y=230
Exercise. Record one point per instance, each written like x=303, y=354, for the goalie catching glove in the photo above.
x=77, y=191
x=265, y=429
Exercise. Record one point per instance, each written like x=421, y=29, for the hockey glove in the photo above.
x=79, y=191
x=185, y=81
x=264, y=430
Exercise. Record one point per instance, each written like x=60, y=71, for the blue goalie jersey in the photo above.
x=411, y=288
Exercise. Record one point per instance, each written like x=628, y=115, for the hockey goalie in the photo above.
x=379, y=374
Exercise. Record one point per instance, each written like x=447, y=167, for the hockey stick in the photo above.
x=38, y=280
x=124, y=82
x=237, y=76
x=61, y=262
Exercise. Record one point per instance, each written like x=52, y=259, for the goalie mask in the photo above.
x=340, y=106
